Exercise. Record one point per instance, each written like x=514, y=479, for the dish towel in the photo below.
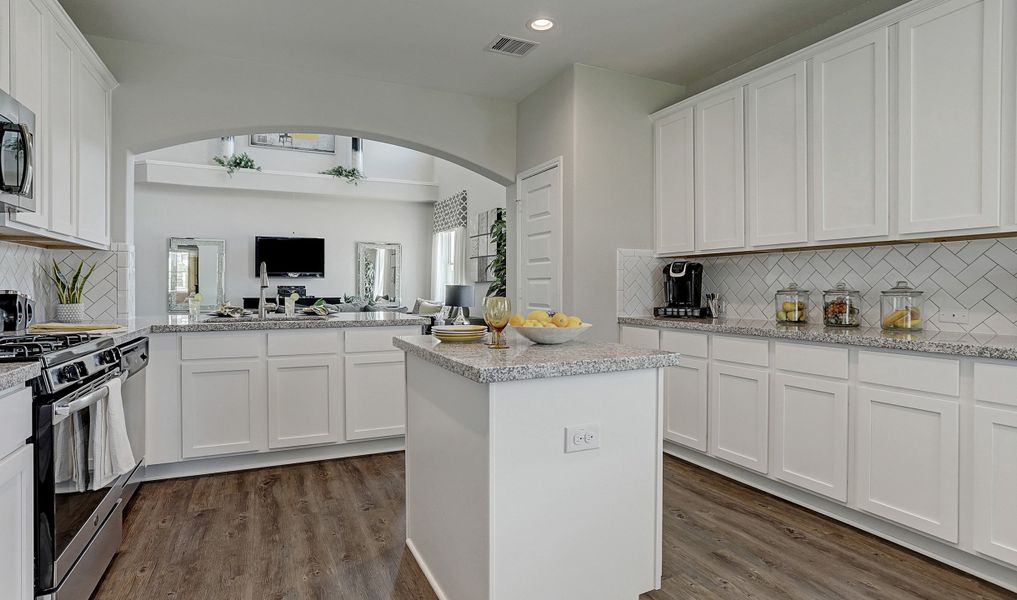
x=70, y=472
x=110, y=447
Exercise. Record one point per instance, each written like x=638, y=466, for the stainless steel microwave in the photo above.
x=17, y=155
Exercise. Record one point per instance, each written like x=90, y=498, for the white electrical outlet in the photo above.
x=954, y=316
x=582, y=437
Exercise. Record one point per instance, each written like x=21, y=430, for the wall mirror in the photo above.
x=196, y=266
x=378, y=272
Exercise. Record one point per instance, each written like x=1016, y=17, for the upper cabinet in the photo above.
x=949, y=117
x=720, y=170
x=48, y=66
x=898, y=129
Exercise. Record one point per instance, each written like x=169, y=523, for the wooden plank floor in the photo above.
x=334, y=530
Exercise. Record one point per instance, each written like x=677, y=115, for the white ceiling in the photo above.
x=439, y=43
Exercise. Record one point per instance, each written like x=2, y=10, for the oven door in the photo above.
x=72, y=506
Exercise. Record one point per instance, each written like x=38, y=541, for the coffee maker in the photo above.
x=18, y=310
x=683, y=287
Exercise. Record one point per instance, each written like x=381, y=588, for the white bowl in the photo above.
x=552, y=335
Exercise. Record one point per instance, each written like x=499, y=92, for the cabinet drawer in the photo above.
x=935, y=375
x=303, y=341
x=996, y=383
x=814, y=360
x=741, y=350
x=376, y=339
x=15, y=420
x=641, y=337
x=683, y=342
x=221, y=346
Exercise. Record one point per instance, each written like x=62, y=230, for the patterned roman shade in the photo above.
x=450, y=213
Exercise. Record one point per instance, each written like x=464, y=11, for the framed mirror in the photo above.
x=196, y=266
x=378, y=272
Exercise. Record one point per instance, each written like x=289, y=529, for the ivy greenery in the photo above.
x=236, y=161
x=351, y=175
x=497, y=268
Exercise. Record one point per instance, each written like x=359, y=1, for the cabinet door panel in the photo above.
x=674, y=187
x=739, y=415
x=62, y=205
x=908, y=453
x=949, y=106
x=17, y=513
x=375, y=395
x=6, y=42
x=29, y=25
x=223, y=408
x=304, y=401
x=91, y=137
x=812, y=434
x=850, y=139
x=720, y=171
x=995, y=491
x=776, y=169
x=641, y=337
x=686, y=392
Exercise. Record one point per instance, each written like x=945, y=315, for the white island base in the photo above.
x=495, y=507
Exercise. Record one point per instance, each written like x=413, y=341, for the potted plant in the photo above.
x=234, y=162
x=498, y=265
x=351, y=175
x=69, y=292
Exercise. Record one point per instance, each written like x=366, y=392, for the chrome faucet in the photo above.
x=262, y=313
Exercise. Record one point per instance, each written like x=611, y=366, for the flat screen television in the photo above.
x=290, y=256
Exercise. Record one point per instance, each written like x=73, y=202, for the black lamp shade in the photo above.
x=458, y=295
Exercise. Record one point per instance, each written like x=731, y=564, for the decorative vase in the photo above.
x=227, y=146
x=70, y=313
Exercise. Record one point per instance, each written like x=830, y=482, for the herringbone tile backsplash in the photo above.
x=23, y=269
x=978, y=276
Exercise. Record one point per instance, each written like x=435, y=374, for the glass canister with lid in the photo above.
x=792, y=304
x=900, y=308
x=842, y=306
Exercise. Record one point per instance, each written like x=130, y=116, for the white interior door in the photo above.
x=539, y=238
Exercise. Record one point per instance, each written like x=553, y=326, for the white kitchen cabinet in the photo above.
x=739, y=415
x=375, y=395
x=304, y=401
x=849, y=139
x=949, y=124
x=776, y=167
x=223, y=407
x=687, y=399
x=92, y=142
x=28, y=68
x=811, y=426
x=641, y=337
x=995, y=483
x=720, y=170
x=673, y=184
x=62, y=203
x=17, y=513
x=908, y=455
x=6, y=43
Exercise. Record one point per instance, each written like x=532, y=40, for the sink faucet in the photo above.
x=264, y=285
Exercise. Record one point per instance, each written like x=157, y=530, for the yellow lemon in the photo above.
x=517, y=321
x=539, y=315
x=574, y=322
x=560, y=320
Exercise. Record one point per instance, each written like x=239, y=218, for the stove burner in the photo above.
x=20, y=347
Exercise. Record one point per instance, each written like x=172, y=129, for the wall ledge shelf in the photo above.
x=161, y=172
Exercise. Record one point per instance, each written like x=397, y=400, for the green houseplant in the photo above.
x=351, y=175
x=498, y=268
x=235, y=161
x=69, y=292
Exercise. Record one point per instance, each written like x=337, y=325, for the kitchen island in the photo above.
x=534, y=472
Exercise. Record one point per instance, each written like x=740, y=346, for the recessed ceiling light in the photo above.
x=540, y=24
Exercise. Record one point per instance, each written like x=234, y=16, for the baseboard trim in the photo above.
x=962, y=560
x=426, y=571
x=244, y=462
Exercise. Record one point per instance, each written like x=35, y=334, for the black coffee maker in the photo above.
x=683, y=290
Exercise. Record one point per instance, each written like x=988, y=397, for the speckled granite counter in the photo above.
x=16, y=374
x=1002, y=347
x=525, y=360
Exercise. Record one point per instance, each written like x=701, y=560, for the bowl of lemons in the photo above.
x=542, y=327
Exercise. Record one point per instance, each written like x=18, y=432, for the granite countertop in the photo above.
x=526, y=360
x=1002, y=347
x=16, y=374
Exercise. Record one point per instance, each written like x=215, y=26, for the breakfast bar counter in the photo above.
x=534, y=472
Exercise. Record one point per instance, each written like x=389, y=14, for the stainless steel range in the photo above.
x=79, y=512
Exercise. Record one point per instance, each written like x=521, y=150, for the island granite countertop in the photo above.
x=525, y=360
x=14, y=375
x=1003, y=347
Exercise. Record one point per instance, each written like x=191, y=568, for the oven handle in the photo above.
x=61, y=410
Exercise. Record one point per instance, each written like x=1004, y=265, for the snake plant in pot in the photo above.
x=69, y=292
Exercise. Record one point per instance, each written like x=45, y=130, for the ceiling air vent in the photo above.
x=504, y=44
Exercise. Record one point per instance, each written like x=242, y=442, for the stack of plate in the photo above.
x=459, y=334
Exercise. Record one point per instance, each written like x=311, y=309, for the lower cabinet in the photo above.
x=17, y=514
x=811, y=427
x=304, y=401
x=685, y=412
x=375, y=395
x=995, y=483
x=223, y=408
x=739, y=415
x=908, y=455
